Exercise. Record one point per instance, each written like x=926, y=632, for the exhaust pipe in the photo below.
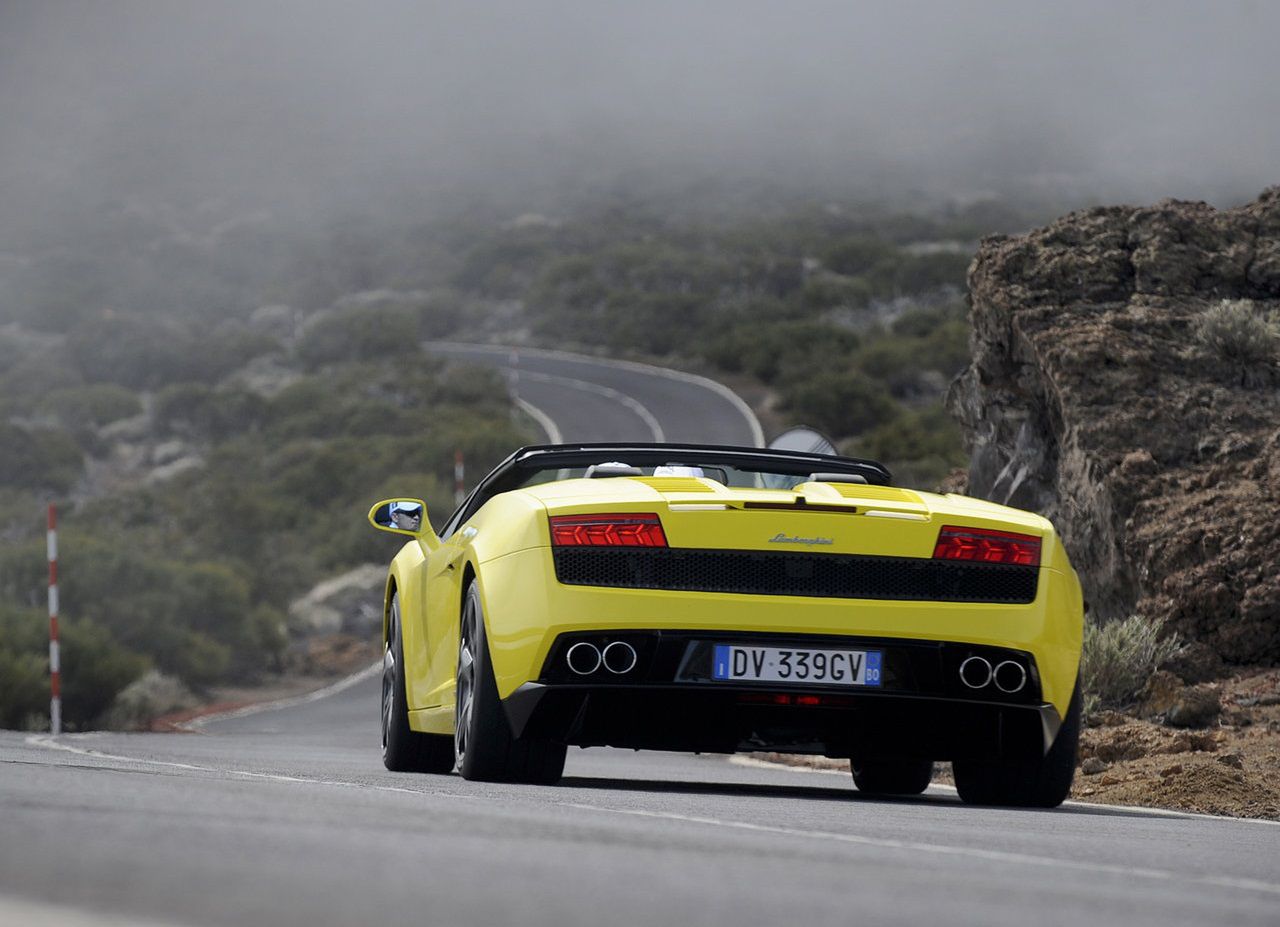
x=583, y=658
x=619, y=657
x=975, y=672
x=1010, y=676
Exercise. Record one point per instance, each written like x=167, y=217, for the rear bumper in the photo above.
x=670, y=700
x=741, y=718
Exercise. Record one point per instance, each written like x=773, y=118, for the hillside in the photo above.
x=1124, y=382
x=214, y=399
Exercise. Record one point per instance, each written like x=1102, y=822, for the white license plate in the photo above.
x=796, y=665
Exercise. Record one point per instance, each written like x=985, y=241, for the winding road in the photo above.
x=285, y=815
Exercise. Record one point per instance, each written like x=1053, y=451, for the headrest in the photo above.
x=613, y=468
x=837, y=478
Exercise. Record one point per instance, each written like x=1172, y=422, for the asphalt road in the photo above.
x=286, y=816
x=592, y=399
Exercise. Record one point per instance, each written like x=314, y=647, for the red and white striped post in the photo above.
x=55, y=657
x=459, y=478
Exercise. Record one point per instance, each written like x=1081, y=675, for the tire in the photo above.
x=404, y=749
x=484, y=746
x=892, y=777
x=1040, y=782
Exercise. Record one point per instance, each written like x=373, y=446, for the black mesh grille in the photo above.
x=838, y=576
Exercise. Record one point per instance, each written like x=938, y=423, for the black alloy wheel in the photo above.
x=1034, y=782
x=484, y=746
x=892, y=777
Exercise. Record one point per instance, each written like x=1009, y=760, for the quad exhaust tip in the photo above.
x=583, y=658
x=1010, y=676
x=975, y=672
x=619, y=657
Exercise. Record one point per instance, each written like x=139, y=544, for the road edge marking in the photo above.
x=635, y=405
x=196, y=724
x=715, y=386
x=738, y=759
x=545, y=421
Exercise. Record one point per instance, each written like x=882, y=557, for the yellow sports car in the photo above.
x=719, y=599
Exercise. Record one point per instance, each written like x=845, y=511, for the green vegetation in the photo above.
x=1243, y=335
x=190, y=570
x=216, y=414
x=1119, y=657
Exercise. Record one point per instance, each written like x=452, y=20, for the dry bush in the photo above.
x=1119, y=657
x=1238, y=331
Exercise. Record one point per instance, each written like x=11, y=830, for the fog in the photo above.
x=305, y=108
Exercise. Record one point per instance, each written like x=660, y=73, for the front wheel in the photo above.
x=404, y=749
x=1037, y=782
x=484, y=745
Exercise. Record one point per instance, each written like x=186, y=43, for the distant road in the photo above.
x=596, y=399
x=287, y=817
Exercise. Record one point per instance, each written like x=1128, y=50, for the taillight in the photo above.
x=986, y=546
x=607, y=531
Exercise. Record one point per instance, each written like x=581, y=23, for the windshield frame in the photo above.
x=518, y=469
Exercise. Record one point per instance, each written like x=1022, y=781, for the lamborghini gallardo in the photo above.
x=725, y=599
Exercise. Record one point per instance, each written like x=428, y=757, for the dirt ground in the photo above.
x=1231, y=767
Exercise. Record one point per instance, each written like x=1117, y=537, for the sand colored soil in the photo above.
x=1231, y=767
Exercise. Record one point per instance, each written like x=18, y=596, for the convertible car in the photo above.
x=723, y=599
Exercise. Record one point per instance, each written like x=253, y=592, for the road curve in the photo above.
x=597, y=399
x=286, y=816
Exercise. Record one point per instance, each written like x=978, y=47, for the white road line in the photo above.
x=912, y=846
x=753, y=423
x=49, y=742
x=649, y=419
x=751, y=761
x=49, y=914
x=195, y=724
x=545, y=421
x=915, y=846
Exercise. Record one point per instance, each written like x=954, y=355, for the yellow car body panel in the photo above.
x=505, y=548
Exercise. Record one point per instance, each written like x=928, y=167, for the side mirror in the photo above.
x=401, y=516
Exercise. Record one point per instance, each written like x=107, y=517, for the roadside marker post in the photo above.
x=459, y=479
x=55, y=655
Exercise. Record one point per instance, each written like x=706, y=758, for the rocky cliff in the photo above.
x=1098, y=397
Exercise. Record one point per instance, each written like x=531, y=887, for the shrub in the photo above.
x=38, y=458
x=92, y=406
x=376, y=333
x=132, y=351
x=1119, y=657
x=858, y=254
x=1239, y=333
x=840, y=402
x=920, y=446
x=94, y=668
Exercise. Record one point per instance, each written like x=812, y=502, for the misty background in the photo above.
x=227, y=231
x=206, y=113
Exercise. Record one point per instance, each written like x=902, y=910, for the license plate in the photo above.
x=796, y=665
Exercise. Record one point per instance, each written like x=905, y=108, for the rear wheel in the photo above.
x=1036, y=782
x=483, y=742
x=892, y=777
x=404, y=749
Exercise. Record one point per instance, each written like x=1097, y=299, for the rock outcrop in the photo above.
x=1091, y=399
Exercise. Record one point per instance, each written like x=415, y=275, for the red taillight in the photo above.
x=607, y=531
x=986, y=546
